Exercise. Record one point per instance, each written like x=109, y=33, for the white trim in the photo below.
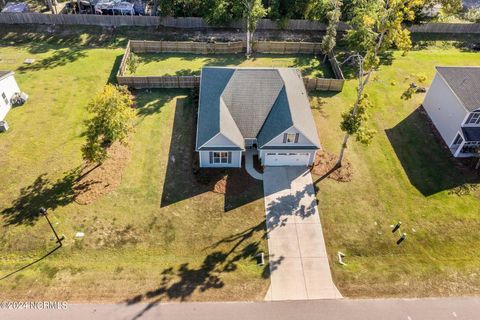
x=458, y=133
x=460, y=147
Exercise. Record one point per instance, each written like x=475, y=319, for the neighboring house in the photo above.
x=8, y=87
x=453, y=104
x=254, y=108
x=468, y=4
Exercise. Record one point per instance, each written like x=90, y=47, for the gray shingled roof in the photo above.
x=252, y=103
x=4, y=73
x=465, y=83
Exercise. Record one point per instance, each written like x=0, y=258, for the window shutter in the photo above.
x=211, y=156
x=284, y=138
x=296, y=137
x=229, y=158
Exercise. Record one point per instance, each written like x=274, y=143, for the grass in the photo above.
x=162, y=236
x=191, y=64
x=404, y=175
x=137, y=246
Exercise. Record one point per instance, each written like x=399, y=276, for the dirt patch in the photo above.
x=325, y=163
x=95, y=182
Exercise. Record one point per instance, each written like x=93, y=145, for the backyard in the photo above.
x=183, y=64
x=163, y=235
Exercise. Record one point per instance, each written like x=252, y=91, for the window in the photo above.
x=458, y=139
x=220, y=157
x=473, y=118
x=290, y=137
x=5, y=98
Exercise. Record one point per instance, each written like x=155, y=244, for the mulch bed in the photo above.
x=95, y=182
x=326, y=161
x=235, y=180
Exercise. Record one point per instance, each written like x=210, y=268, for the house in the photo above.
x=264, y=109
x=8, y=87
x=453, y=104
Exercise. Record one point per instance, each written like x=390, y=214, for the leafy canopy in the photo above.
x=111, y=121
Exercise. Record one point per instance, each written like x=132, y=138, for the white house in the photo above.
x=8, y=87
x=265, y=109
x=453, y=104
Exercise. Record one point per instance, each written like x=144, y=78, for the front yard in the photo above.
x=159, y=236
x=163, y=235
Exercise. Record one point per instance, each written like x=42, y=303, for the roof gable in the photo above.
x=465, y=83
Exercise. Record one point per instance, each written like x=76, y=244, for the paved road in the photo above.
x=298, y=259
x=394, y=309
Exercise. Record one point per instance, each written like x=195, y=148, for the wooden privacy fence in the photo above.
x=278, y=47
x=199, y=23
x=323, y=84
x=139, y=46
x=145, y=21
x=151, y=82
x=446, y=28
x=143, y=82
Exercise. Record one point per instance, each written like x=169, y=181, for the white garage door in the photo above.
x=287, y=159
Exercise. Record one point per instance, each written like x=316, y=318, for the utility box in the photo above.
x=3, y=126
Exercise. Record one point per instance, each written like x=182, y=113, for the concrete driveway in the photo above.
x=298, y=260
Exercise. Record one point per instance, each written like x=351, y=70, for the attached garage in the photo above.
x=287, y=159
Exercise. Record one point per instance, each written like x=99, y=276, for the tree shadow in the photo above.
x=44, y=192
x=183, y=178
x=181, y=282
x=424, y=156
x=299, y=205
x=59, y=58
x=302, y=204
x=151, y=101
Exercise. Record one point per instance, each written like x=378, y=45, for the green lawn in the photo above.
x=163, y=235
x=159, y=236
x=190, y=64
x=404, y=175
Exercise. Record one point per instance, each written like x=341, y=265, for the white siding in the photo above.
x=219, y=141
x=444, y=108
x=278, y=141
x=312, y=153
x=8, y=86
x=205, y=160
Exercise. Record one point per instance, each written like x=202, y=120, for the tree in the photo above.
x=112, y=109
x=377, y=26
x=329, y=41
x=253, y=12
